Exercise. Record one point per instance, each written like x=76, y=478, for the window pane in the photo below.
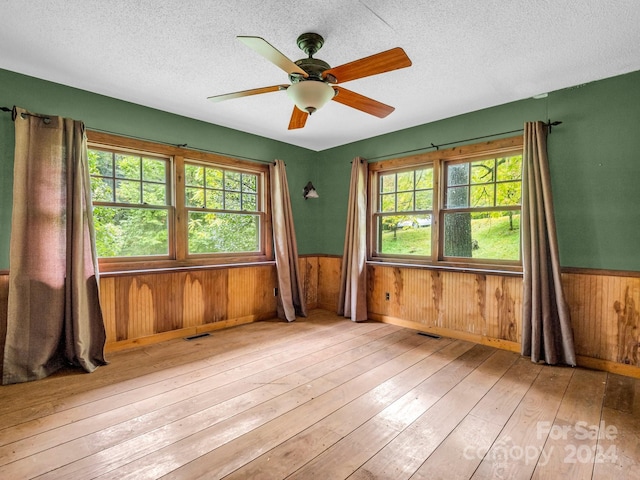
x=405, y=202
x=249, y=202
x=223, y=233
x=127, y=166
x=215, y=178
x=482, y=195
x=194, y=197
x=458, y=174
x=405, y=181
x=128, y=191
x=509, y=193
x=127, y=232
x=249, y=183
x=457, y=197
x=215, y=199
x=388, y=203
x=510, y=168
x=490, y=236
x=154, y=193
x=483, y=172
x=100, y=163
x=193, y=175
x=424, y=200
x=404, y=235
x=232, y=201
x=232, y=181
x=388, y=183
x=154, y=170
x=102, y=189
x=424, y=178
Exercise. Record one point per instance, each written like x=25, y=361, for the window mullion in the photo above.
x=180, y=216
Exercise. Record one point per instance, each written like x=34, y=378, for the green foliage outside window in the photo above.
x=130, y=196
x=480, y=211
x=222, y=206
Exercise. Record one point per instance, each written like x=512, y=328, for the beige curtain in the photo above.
x=54, y=317
x=291, y=301
x=353, y=279
x=546, y=334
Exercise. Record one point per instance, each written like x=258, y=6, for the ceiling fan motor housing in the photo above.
x=313, y=66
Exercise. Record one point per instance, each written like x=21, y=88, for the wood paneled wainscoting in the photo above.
x=154, y=306
x=487, y=308
x=144, y=308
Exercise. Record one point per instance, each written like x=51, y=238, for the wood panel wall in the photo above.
x=482, y=308
x=605, y=308
x=182, y=303
x=605, y=316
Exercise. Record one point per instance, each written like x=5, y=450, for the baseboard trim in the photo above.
x=446, y=332
x=185, y=332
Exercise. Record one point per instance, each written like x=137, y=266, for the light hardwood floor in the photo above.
x=321, y=398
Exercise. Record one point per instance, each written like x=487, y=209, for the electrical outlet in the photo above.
x=387, y=296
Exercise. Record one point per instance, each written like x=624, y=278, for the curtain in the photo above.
x=546, y=334
x=54, y=317
x=291, y=301
x=353, y=279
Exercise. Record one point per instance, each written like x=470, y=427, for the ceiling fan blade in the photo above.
x=246, y=93
x=268, y=51
x=298, y=118
x=379, y=63
x=362, y=103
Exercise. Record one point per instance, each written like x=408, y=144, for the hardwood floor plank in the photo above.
x=202, y=394
x=341, y=416
x=345, y=457
x=403, y=456
x=232, y=349
x=209, y=404
x=219, y=370
x=292, y=454
x=517, y=450
x=572, y=444
x=620, y=393
x=619, y=447
x=309, y=400
x=322, y=397
x=148, y=443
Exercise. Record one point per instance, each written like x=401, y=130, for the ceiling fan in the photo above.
x=313, y=81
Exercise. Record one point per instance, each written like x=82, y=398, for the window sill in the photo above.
x=114, y=271
x=448, y=267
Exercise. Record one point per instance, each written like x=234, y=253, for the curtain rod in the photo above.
x=44, y=118
x=47, y=119
x=549, y=125
x=184, y=145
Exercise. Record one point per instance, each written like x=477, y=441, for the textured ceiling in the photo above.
x=467, y=55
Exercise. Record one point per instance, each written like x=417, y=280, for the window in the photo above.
x=456, y=206
x=481, y=211
x=152, y=207
x=222, y=210
x=405, y=204
x=131, y=204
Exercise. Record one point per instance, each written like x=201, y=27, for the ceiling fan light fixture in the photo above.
x=310, y=95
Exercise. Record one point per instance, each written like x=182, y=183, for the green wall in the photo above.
x=594, y=156
x=594, y=160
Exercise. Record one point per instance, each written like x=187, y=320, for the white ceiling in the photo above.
x=466, y=54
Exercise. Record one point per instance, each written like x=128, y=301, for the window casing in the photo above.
x=180, y=207
x=458, y=207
